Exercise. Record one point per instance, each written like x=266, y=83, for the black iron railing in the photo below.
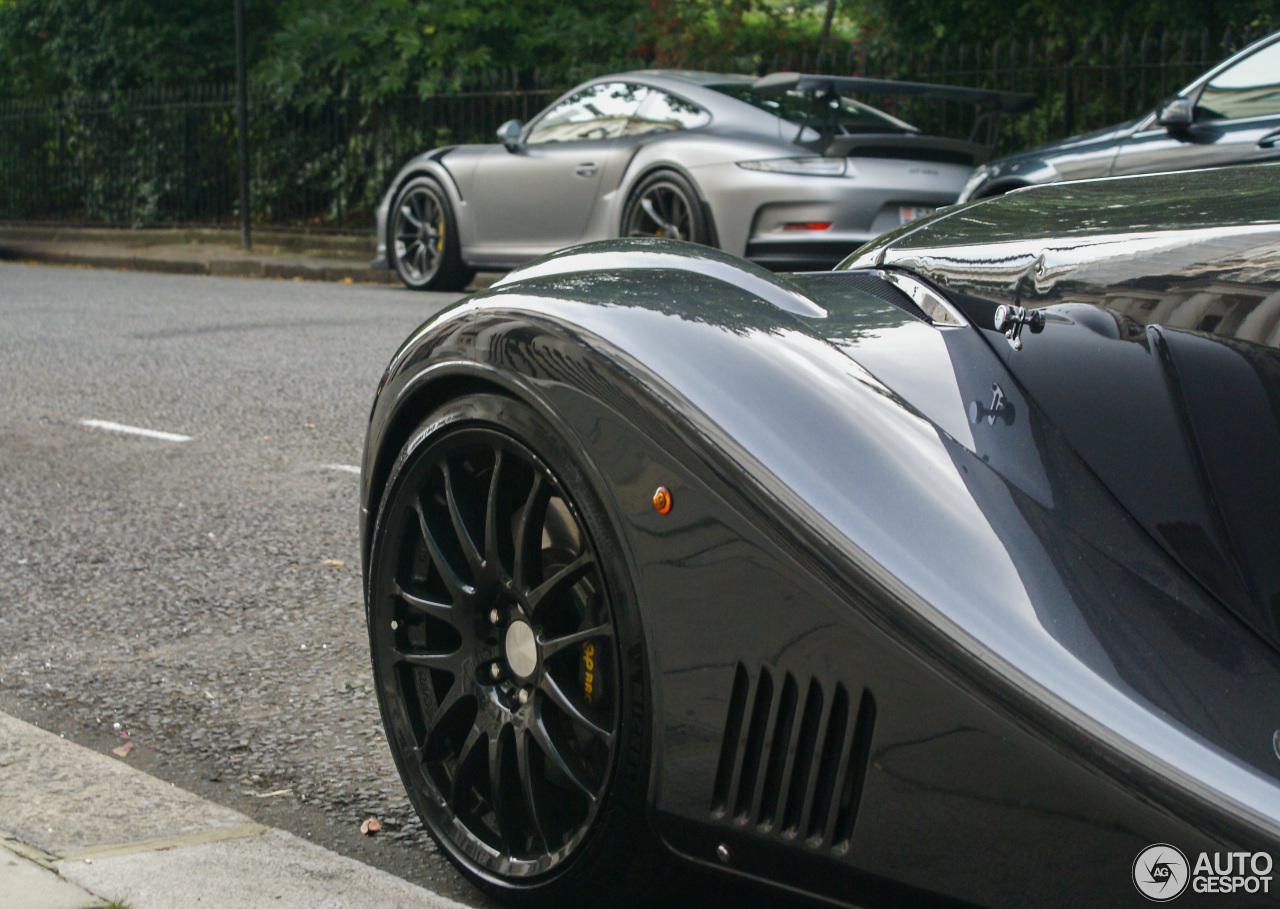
x=167, y=156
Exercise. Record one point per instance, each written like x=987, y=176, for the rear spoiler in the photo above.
x=1004, y=102
x=993, y=106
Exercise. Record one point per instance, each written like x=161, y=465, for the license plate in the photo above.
x=911, y=212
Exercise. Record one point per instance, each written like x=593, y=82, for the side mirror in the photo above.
x=1178, y=114
x=509, y=134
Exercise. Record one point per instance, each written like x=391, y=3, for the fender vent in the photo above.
x=793, y=759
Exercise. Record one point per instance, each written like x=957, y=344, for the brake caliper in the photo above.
x=590, y=673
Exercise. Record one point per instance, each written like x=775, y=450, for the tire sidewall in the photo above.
x=625, y=790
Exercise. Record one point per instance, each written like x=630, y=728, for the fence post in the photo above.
x=1068, y=111
x=1164, y=65
x=242, y=126
x=1144, y=52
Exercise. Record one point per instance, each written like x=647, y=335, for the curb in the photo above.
x=81, y=828
x=248, y=267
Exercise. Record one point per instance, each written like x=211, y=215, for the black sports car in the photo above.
x=1230, y=115
x=949, y=577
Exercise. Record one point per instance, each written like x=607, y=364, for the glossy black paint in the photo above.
x=1184, y=429
x=1145, y=145
x=1011, y=668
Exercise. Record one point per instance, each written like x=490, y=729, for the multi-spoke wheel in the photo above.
x=508, y=666
x=665, y=205
x=424, y=239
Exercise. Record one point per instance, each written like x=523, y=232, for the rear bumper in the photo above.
x=757, y=213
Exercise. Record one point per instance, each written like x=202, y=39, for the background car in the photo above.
x=1230, y=115
x=944, y=578
x=782, y=170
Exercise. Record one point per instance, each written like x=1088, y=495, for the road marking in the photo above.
x=135, y=430
x=345, y=468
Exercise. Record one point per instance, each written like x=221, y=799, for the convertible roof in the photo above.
x=1006, y=102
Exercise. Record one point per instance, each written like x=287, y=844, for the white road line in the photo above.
x=135, y=430
x=346, y=468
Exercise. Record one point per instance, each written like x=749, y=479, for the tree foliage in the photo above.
x=311, y=49
x=985, y=21
x=57, y=46
x=674, y=30
x=386, y=46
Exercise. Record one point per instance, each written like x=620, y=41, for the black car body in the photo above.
x=936, y=614
x=1230, y=115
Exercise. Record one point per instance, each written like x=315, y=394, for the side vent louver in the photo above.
x=794, y=758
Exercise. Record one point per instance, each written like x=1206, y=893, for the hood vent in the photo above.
x=793, y=758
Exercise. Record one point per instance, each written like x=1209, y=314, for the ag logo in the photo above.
x=1160, y=872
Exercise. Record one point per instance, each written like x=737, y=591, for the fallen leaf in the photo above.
x=347, y=281
x=267, y=795
x=333, y=563
x=370, y=826
x=123, y=750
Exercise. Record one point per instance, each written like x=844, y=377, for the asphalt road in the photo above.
x=201, y=598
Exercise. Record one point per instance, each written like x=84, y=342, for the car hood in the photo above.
x=1157, y=360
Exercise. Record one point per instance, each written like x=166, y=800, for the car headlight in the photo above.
x=976, y=179
x=809, y=166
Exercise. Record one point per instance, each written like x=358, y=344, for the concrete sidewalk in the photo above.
x=311, y=257
x=79, y=829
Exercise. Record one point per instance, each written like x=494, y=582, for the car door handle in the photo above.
x=1270, y=139
x=586, y=169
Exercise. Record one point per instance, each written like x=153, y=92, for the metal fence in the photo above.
x=167, y=157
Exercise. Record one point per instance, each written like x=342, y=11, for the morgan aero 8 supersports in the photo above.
x=945, y=578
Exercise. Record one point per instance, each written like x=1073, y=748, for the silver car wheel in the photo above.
x=419, y=234
x=661, y=210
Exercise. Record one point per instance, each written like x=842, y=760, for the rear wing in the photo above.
x=992, y=105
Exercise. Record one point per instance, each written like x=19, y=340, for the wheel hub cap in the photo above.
x=522, y=649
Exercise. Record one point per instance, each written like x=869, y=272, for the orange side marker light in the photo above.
x=662, y=500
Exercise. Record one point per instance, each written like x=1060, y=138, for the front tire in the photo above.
x=665, y=204
x=508, y=659
x=424, y=243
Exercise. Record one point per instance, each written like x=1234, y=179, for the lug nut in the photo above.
x=495, y=617
x=495, y=670
x=394, y=625
x=523, y=696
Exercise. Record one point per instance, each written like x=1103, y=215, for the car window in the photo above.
x=1251, y=88
x=823, y=110
x=662, y=113
x=599, y=111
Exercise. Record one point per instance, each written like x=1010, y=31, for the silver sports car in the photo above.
x=786, y=170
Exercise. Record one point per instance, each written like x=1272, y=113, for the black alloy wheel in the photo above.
x=509, y=681
x=664, y=204
x=424, y=239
